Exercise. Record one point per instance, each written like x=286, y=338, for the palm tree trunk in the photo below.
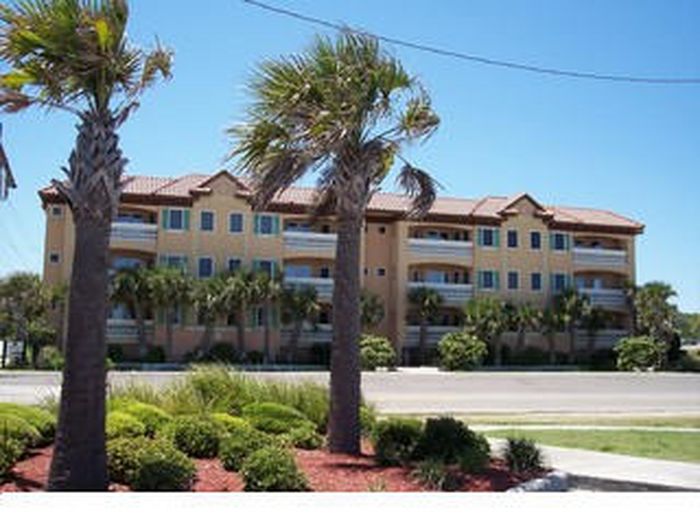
x=266, y=333
x=240, y=331
x=169, y=321
x=141, y=331
x=95, y=168
x=79, y=459
x=294, y=340
x=422, y=337
x=344, y=423
x=207, y=336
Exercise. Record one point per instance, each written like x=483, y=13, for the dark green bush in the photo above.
x=639, y=353
x=162, y=468
x=11, y=451
x=16, y=428
x=229, y=424
x=115, y=353
x=477, y=457
x=368, y=419
x=376, y=351
x=255, y=357
x=395, y=439
x=221, y=353
x=152, y=417
x=446, y=439
x=435, y=475
x=196, y=436
x=121, y=424
x=321, y=354
x=241, y=443
x=530, y=356
x=155, y=354
x=523, y=455
x=273, y=417
x=272, y=469
x=123, y=457
x=461, y=351
x=304, y=436
x=42, y=420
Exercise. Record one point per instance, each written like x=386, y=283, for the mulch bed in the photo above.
x=326, y=473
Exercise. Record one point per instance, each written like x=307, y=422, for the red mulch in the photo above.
x=326, y=473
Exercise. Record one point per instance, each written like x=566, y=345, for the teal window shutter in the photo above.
x=165, y=218
x=568, y=281
x=161, y=316
x=552, y=281
x=497, y=280
x=257, y=224
x=274, y=318
x=184, y=263
x=276, y=225
x=186, y=219
x=480, y=236
x=567, y=242
x=251, y=317
x=497, y=237
x=551, y=241
x=480, y=279
x=256, y=263
x=275, y=269
x=162, y=260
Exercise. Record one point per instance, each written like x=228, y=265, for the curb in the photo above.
x=556, y=481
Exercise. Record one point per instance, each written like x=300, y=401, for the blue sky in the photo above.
x=631, y=148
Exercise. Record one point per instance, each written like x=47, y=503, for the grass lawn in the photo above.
x=678, y=446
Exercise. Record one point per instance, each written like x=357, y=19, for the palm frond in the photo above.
x=420, y=187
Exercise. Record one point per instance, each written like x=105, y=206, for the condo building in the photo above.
x=514, y=248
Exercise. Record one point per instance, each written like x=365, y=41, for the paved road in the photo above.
x=435, y=392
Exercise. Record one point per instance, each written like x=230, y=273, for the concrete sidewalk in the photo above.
x=621, y=470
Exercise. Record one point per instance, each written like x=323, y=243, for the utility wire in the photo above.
x=473, y=58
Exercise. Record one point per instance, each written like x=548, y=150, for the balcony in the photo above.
x=435, y=333
x=324, y=287
x=134, y=235
x=441, y=248
x=125, y=331
x=605, y=297
x=300, y=241
x=601, y=340
x=452, y=294
x=599, y=257
x=320, y=334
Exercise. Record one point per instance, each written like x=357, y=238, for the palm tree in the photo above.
x=427, y=302
x=267, y=291
x=171, y=290
x=132, y=288
x=237, y=295
x=299, y=306
x=343, y=109
x=372, y=309
x=550, y=325
x=656, y=316
x=208, y=299
x=487, y=319
x=525, y=318
x=571, y=307
x=74, y=55
x=594, y=321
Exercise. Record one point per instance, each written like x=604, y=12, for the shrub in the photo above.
x=530, y=356
x=255, y=357
x=123, y=457
x=241, y=443
x=161, y=467
x=221, y=353
x=10, y=452
x=155, y=354
x=50, y=358
x=42, y=420
x=115, y=353
x=395, y=439
x=321, y=354
x=229, y=424
x=639, y=353
x=272, y=469
x=461, y=351
x=16, y=428
x=368, y=420
x=273, y=417
x=196, y=436
x=304, y=436
x=477, y=457
x=435, y=475
x=121, y=425
x=376, y=352
x=522, y=455
x=152, y=417
x=447, y=440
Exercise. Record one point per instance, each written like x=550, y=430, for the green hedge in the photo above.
x=196, y=436
x=273, y=417
x=272, y=469
x=461, y=351
x=121, y=424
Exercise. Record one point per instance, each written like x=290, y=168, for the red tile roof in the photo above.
x=164, y=189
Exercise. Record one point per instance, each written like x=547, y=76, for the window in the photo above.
x=235, y=223
x=205, y=267
x=326, y=228
x=264, y=266
x=512, y=239
x=325, y=273
x=56, y=211
x=489, y=280
x=366, y=271
x=513, y=283
x=382, y=230
x=176, y=219
x=54, y=258
x=535, y=240
x=435, y=276
x=381, y=272
x=267, y=224
x=489, y=237
x=234, y=264
x=296, y=270
x=173, y=261
x=536, y=281
x=206, y=221
x=559, y=282
x=559, y=241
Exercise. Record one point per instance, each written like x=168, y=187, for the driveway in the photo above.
x=426, y=392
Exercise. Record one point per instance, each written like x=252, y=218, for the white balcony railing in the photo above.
x=433, y=336
x=605, y=297
x=320, y=334
x=324, y=287
x=441, y=248
x=599, y=257
x=309, y=241
x=452, y=294
x=601, y=339
x=134, y=232
x=125, y=331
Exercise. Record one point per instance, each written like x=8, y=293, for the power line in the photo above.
x=473, y=58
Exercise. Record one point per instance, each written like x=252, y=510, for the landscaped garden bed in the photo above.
x=216, y=431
